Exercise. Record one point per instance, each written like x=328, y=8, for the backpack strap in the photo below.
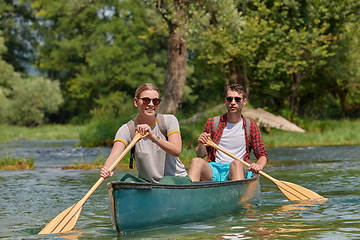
x=247, y=123
x=131, y=125
x=161, y=122
x=216, y=123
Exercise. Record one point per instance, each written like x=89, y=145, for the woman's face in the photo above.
x=148, y=102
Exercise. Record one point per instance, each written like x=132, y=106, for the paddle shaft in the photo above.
x=136, y=138
x=67, y=219
x=214, y=145
x=290, y=190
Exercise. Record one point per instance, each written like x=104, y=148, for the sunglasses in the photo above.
x=146, y=100
x=237, y=99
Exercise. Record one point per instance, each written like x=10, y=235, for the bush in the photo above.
x=101, y=129
x=29, y=101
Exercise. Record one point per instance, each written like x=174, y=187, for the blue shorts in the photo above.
x=220, y=171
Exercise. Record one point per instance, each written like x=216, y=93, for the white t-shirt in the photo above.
x=154, y=163
x=233, y=140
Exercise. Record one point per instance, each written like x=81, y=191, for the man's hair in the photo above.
x=236, y=88
x=144, y=87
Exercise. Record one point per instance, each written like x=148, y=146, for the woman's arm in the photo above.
x=116, y=150
x=172, y=146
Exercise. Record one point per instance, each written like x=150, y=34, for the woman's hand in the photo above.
x=144, y=129
x=105, y=172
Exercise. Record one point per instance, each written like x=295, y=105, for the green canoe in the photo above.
x=141, y=205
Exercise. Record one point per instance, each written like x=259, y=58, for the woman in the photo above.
x=156, y=155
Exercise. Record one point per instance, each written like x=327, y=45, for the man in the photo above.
x=232, y=134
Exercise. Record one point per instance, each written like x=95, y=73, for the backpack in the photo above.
x=217, y=120
x=131, y=126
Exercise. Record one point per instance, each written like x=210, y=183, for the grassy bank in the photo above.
x=318, y=133
x=8, y=161
x=46, y=132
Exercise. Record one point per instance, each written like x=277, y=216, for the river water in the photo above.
x=30, y=199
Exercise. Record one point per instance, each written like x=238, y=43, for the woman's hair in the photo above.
x=236, y=88
x=144, y=87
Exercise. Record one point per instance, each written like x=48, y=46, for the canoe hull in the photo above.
x=141, y=205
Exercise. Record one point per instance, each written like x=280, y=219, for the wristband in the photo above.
x=156, y=140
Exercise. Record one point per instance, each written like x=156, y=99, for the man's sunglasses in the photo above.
x=146, y=100
x=237, y=99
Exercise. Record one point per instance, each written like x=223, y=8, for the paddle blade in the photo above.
x=295, y=192
x=63, y=222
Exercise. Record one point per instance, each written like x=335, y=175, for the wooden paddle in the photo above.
x=290, y=190
x=66, y=220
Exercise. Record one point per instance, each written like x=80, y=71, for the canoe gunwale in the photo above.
x=196, y=185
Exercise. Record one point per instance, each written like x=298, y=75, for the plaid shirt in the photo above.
x=253, y=141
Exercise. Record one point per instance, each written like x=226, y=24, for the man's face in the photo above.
x=234, y=101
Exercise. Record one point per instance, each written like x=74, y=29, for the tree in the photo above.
x=7, y=76
x=273, y=48
x=174, y=13
x=31, y=100
x=98, y=47
x=25, y=101
x=223, y=35
x=15, y=22
x=343, y=72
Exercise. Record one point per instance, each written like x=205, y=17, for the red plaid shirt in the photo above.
x=253, y=141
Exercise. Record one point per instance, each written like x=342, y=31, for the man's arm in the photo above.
x=259, y=165
x=201, y=151
x=202, y=140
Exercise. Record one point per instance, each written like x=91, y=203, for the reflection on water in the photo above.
x=32, y=198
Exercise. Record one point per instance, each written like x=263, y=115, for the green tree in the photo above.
x=25, y=101
x=343, y=72
x=98, y=47
x=174, y=13
x=15, y=21
x=31, y=100
x=7, y=76
x=270, y=47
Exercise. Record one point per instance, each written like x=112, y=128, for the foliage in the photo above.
x=343, y=79
x=101, y=129
x=7, y=74
x=98, y=47
x=15, y=23
x=295, y=57
x=25, y=101
x=29, y=100
x=267, y=46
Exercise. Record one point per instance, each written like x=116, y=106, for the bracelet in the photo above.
x=156, y=140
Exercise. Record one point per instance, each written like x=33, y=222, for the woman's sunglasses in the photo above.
x=146, y=100
x=237, y=99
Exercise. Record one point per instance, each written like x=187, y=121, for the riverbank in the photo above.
x=318, y=133
x=45, y=132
